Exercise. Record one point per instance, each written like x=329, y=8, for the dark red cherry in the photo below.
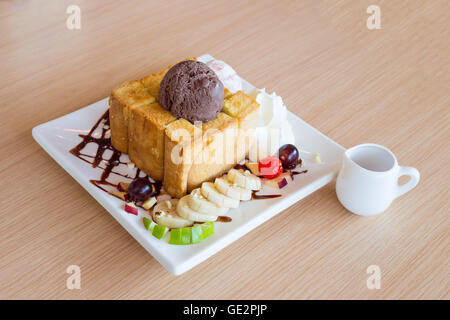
x=288, y=155
x=141, y=189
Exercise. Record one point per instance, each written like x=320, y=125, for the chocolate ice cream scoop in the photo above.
x=192, y=91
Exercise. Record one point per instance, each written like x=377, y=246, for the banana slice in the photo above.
x=165, y=214
x=199, y=203
x=244, y=179
x=232, y=191
x=184, y=211
x=211, y=193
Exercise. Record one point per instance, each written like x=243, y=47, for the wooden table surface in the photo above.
x=389, y=86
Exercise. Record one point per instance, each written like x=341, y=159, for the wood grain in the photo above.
x=389, y=86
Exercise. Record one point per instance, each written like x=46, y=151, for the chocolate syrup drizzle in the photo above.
x=223, y=219
x=103, y=144
x=294, y=173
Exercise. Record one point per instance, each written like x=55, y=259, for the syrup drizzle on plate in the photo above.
x=103, y=144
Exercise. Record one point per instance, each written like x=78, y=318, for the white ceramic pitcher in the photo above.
x=368, y=181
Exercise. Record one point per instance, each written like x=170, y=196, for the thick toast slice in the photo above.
x=146, y=126
x=153, y=81
x=197, y=153
x=178, y=156
x=219, y=138
x=246, y=110
x=128, y=96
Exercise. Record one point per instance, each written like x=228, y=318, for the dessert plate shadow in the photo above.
x=58, y=136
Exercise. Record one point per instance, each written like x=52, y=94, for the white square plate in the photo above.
x=58, y=136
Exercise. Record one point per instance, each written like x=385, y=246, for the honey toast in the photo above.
x=128, y=96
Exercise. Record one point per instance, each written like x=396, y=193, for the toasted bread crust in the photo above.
x=202, y=150
x=219, y=135
x=153, y=81
x=244, y=108
x=129, y=95
x=119, y=127
x=146, y=127
x=179, y=145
